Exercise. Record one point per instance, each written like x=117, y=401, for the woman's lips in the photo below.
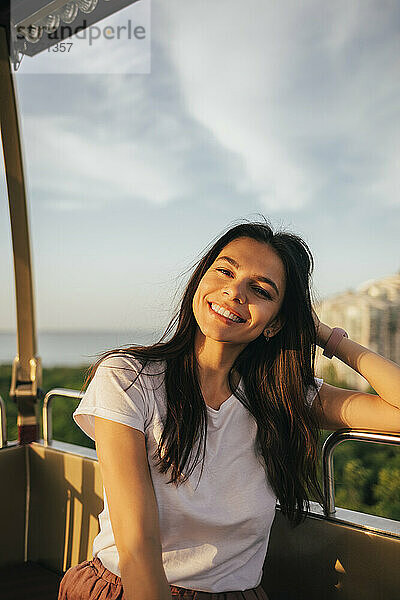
x=224, y=319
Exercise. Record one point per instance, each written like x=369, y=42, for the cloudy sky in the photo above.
x=290, y=110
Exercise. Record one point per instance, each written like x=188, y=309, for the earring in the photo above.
x=266, y=335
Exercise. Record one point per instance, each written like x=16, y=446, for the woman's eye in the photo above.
x=263, y=292
x=259, y=290
x=225, y=271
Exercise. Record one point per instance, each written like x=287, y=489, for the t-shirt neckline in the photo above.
x=226, y=402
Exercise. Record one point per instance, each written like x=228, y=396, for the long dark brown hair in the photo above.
x=276, y=376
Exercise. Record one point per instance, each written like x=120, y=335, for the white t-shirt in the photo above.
x=214, y=538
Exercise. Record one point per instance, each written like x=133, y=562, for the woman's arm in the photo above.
x=351, y=408
x=142, y=573
x=121, y=452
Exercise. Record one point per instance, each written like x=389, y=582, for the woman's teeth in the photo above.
x=225, y=313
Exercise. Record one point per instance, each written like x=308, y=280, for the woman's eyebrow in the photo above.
x=233, y=262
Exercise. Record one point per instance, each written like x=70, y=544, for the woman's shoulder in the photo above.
x=120, y=390
x=126, y=359
x=125, y=362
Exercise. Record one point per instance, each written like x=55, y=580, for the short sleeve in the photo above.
x=112, y=395
x=311, y=392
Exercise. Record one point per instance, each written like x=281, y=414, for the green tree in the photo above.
x=387, y=490
x=351, y=490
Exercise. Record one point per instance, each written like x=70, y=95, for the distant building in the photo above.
x=371, y=316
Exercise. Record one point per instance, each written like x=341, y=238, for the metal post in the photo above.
x=47, y=413
x=26, y=375
x=332, y=442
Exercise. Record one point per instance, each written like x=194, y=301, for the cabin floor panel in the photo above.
x=28, y=580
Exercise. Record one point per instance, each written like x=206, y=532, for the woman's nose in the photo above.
x=235, y=292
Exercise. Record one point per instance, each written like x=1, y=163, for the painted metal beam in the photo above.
x=26, y=376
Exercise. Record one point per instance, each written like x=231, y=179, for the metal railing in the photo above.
x=47, y=415
x=331, y=442
x=3, y=424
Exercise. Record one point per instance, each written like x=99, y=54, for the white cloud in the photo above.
x=304, y=96
x=65, y=161
x=275, y=82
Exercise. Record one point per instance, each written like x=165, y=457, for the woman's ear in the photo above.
x=275, y=325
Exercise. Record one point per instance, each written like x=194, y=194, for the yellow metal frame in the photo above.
x=26, y=377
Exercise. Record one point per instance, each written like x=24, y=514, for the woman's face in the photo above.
x=237, y=281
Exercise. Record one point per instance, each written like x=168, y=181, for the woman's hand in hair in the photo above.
x=323, y=330
x=316, y=321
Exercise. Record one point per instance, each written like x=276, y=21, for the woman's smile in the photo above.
x=231, y=318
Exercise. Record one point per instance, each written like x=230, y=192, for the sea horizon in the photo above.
x=75, y=347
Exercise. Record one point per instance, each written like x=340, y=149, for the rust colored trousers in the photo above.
x=90, y=580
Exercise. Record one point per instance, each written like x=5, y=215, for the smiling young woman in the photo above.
x=236, y=377
x=233, y=304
